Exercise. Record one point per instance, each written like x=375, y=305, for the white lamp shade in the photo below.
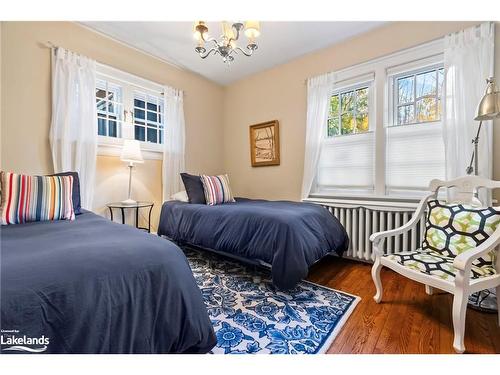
x=131, y=151
x=252, y=29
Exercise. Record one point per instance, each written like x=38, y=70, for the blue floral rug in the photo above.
x=250, y=315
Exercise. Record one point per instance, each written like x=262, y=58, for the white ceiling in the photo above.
x=279, y=42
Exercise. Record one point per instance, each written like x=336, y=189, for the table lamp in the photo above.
x=131, y=153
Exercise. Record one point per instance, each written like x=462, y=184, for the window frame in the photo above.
x=368, y=84
x=111, y=146
x=145, y=123
x=381, y=114
x=394, y=97
x=343, y=86
x=106, y=114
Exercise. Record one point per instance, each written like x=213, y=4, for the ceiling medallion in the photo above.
x=227, y=46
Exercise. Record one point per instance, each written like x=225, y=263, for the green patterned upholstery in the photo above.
x=450, y=231
x=434, y=264
x=454, y=229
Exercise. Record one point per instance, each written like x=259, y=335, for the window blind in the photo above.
x=347, y=163
x=414, y=156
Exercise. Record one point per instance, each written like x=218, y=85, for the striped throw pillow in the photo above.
x=35, y=198
x=217, y=189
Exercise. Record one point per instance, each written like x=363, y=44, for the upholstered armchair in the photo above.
x=459, y=252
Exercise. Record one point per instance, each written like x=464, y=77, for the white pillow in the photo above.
x=181, y=196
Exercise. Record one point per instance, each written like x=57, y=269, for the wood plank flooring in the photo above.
x=407, y=321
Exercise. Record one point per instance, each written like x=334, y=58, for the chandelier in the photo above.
x=226, y=46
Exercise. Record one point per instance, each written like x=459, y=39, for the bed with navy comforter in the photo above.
x=93, y=286
x=290, y=236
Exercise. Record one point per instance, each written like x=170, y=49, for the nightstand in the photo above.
x=136, y=206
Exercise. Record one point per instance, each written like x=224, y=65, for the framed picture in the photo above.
x=265, y=144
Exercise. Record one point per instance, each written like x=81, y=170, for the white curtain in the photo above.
x=318, y=98
x=73, y=131
x=174, y=142
x=468, y=62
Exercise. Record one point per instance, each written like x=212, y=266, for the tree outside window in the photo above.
x=418, y=97
x=348, y=112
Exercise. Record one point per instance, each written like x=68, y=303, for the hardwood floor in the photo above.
x=407, y=321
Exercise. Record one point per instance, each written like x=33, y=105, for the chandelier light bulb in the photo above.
x=252, y=29
x=227, y=30
x=200, y=31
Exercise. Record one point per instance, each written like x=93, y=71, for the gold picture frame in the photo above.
x=265, y=144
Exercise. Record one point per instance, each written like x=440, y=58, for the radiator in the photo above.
x=360, y=221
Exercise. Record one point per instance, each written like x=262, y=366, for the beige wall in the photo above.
x=26, y=107
x=280, y=93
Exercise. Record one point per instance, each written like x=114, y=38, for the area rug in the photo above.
x=251, y=316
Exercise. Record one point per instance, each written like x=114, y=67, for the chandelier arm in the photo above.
x=237, y=35
x=212, y=39
x=215, y=42
x=207, y=40
x=245, y=52
x=208, y=53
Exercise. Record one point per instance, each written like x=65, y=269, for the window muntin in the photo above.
x=119, y=95
x=349, y=112
x=417, y=96
x=109, y=102
x=148, y=118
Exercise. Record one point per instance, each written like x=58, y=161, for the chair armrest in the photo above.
x=464, y=261
x=378, y=236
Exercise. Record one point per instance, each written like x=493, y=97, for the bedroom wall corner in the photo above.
x=26, y=110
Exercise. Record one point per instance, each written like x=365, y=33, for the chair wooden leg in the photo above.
x=377, y=266
x=460, y=299
x=429, y=290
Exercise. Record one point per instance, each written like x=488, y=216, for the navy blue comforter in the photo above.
x=93, y=286
x=290, y=236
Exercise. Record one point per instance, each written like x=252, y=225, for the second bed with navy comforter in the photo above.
x=290, y=236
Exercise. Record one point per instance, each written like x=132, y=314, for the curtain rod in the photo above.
x=52, y=46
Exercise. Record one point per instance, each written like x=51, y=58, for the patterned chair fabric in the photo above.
x=450, y=231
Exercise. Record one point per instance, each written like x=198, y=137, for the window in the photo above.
x=384, y=137
x=148, y=118
x=414, y=142
x=128, y=107
x=346, y=161
x=418, y=96
x=109, y=109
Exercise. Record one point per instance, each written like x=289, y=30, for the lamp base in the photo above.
x=129, y=201
x=484, y=300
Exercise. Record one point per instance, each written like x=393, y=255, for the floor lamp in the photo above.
x=488, y=109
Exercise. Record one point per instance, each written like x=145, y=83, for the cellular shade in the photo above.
x=414, y=156
x=347, y=163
